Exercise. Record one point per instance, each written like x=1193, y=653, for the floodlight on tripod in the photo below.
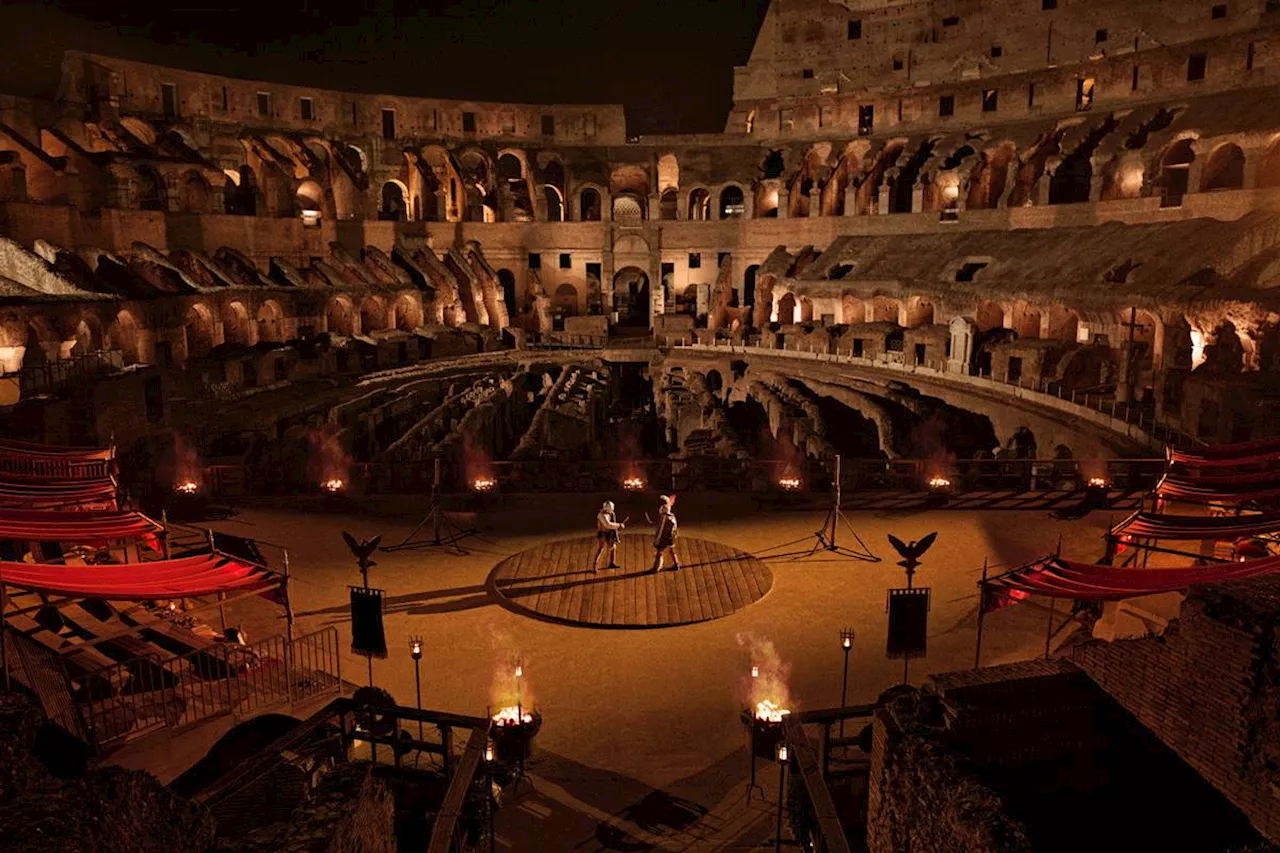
x=445, y=532
x=824, y=543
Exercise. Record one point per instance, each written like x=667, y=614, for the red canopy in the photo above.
x=1172, y=488
x=1229, y=455
x=74, y=527
x=1066, y=579
x=204, y=574
x=1158, y=526
x=78, y=494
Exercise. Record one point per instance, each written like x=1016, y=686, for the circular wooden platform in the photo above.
x=555, y=581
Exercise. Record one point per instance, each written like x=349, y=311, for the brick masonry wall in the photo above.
x=920, y=800
x=1206, y=688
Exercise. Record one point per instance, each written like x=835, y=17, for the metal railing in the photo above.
x=52, y=375
x=138, y=696
x=1050, y=392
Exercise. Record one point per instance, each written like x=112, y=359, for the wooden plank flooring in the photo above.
x=555, y=581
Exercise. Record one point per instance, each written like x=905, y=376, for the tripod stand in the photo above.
x=825, y=538
x=446, y=532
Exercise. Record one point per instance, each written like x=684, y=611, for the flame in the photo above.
x=790, y=484
x=330, y=463
x=633, y=484
x=770, y=712
x=511, y=716
x=483, y=484
x=939, y=482
x=334, y=485
x=187, y=487
x=1097, y=483
x=186, y=469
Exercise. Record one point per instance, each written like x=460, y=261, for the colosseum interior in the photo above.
x=960, y=264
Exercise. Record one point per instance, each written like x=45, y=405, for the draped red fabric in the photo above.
x=1066, y=579
x=204, y=574
x=1221, y=478
x=1229, y=455
x=1187, y=490
x=27, y=448
x=75, y=527
x=80, y=494
x=1158, y=526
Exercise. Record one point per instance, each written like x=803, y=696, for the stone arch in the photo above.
x=394, y=205
x=151, y=189
x=88, y=336
x=590, y=205
x=555, y=202
x=123, y=336
x=988, y=182
x=917, y=312
x=1064, y=324
x=41, y=343
x=749, y=284
x=885, y=309
x=699, y=204
x=1024, y=318
x=235, y=324
x=806, y=309
x=509, y=167
x=786, y=308
x=310, y=196
x=631, y=296
x=1224, y=170
x=271, y=322
x=565, y=301
x=669, y=205
x=668, y=173
x=1122, y=178
x=240, y=194
x=853, y=309
x=198, y=329
x=989, y=316
x=373, y=315
x=195, y=195
x=1175, y=168
x=732, y=203
x=408, y=313
x=139, y=129
x=340, y=316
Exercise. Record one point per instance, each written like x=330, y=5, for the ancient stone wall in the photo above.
x=1208, y=688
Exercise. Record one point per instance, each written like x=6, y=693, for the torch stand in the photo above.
x=824, y=539
x=447, y=534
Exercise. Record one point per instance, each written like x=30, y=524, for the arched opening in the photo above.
x=700, y=205
x=1025, y=320
x=151, y=194
x=241, y=192
x=564, y=303
x=1071, y=181
x=373, y=315
x=853, y=309
x=340, y=317
x=1175, y=168
x=270, y=322
x=198, y=328
x=310, y=196
x=507, y=281
x=989, y=316
x=749, y=285
x=34, y=353
x=919, y=313
x=235, y=324
x=408, y=315
x=124, y=337
x=1224, y=170
x=732, y=203
x=589, y=205
x=885, y=310
x=394, y=205
x=510, y=172
x=628, y=209
x=806, y=309
x=668, y=173
x=555, y=204
x=787, y=309
x=510, y=168
x=1064, y=325
x=669, y=206
x=631, y=297
x=196, y=195
x=88, y=336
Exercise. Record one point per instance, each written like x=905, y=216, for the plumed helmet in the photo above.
x=665, y=500
x=608, y=506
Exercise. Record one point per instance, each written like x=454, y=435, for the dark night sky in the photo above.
x=669, y=61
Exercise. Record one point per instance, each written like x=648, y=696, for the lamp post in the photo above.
x=415, y=649
x=519, y=692
x=489, y=755
x=847, y=636
x=783, y=757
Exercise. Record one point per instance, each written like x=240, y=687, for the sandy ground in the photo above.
x=628, y=712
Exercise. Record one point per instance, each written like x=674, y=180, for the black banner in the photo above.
x=367, y=636
x=908, y=623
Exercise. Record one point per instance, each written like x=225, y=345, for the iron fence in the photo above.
x=138, y=696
